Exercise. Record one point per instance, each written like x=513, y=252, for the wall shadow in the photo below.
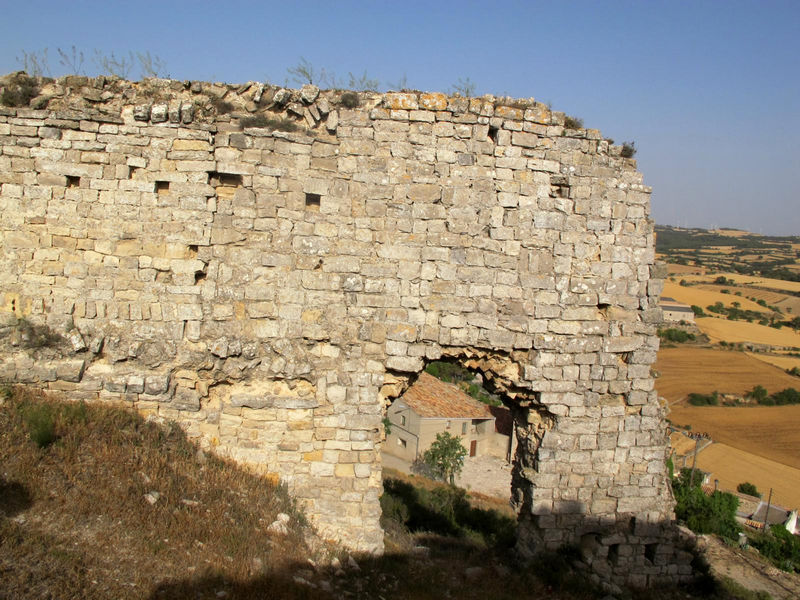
x=14, y=497
x=440, y=560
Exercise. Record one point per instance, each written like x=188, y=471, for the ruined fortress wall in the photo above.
x=270, y=289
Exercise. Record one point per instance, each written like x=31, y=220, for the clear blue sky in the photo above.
x=710, y=91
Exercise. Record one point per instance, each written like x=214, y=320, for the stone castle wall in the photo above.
x=271, y=290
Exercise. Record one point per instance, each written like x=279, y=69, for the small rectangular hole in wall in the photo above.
x=162, y=187
x=650, y=552
x=492, y=134
x=132, y=172
x=226, y=179
x=313, y=202
x=225, y=184
x=613, y=554
x=73, y=181
x=193, y=248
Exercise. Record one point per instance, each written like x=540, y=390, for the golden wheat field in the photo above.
x=732, y=466
x=717, y=250
x=782, y=362
x=774, y=284
x=686, y=369
x=790, y=306
x=747, y=281
x=772, y=432
x=703, y=297
x=734, y=233
x=740, y=331
x=746, y=292
x=673, y=269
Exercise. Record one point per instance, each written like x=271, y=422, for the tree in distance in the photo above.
x=445, y=457
x=749, y=489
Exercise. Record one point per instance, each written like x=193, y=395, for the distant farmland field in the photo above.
x=782, y=362
x=687, y=369
x=674, y=269
x=746, y=292
x=790, y=305
x=733, y=466
x=704, y=297
x=772, y=432
x=741, y=331
x=776, y=284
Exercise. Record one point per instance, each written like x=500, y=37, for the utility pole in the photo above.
x=766, y=514
x=694, y=462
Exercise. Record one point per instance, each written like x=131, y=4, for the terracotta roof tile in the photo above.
x=430, y=397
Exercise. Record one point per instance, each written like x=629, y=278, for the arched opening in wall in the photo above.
x=475, y=398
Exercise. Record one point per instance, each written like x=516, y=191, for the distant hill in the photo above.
x=731, y=250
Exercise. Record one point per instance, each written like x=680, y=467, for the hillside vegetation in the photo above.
x=95, y=502
x=731, y=250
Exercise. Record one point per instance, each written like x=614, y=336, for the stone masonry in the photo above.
x=270, y=267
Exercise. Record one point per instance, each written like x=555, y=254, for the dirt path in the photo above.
x=483, y=474
x=746, y=568
x=487, y=475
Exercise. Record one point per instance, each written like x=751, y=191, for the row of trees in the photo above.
x=758, y=394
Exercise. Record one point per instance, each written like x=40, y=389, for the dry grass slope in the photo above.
x=75, y=523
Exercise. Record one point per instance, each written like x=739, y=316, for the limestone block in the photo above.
x=76, y=341
x=141, y=112
x=400, y=101
x=186, y=399
x=70, y=370
x=159, y=113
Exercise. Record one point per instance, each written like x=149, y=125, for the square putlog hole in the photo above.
x=73, y=181
x=313, y=202
x=225, y=179
x=162, y=187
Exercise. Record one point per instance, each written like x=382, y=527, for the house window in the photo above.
x=448, y=425
x=401, y=442
x=402, y=419
x=464, y=428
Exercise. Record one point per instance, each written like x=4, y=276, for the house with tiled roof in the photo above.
x=674, y=311
x=431, y=406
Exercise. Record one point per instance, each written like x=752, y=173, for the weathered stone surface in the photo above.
x=272, y=290
x=142, y=112
x=159, y=113
x=309, y=93
x=76, y=340
x=186, y=399
x=282, y=96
